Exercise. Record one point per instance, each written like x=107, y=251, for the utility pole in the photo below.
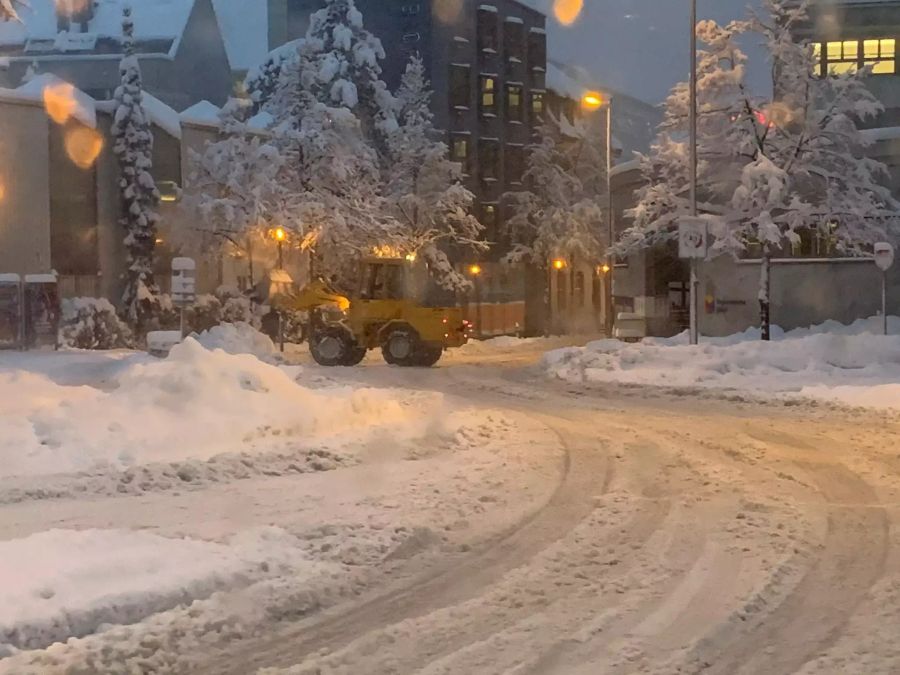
x=610, y=258
x=695, y=280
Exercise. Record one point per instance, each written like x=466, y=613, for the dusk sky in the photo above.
x=639, y=47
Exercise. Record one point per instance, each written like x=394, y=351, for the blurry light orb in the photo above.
x=448, y=11
x=59, y=101
x=83, y=146
x=71, y=7
x=2, y=190
x=592, y=100
x=567, y=11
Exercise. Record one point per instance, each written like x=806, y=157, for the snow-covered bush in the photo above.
x=92, y=323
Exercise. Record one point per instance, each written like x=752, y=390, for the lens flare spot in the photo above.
x=59, y=101
x=448, y=11
x=567, y=11
x=71, y=7
x=83, y=146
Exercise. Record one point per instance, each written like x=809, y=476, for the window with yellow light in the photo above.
x=847, y=56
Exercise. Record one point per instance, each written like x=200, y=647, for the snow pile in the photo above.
x=497, y=344
x=92, y=323
x=196, y=404
x=64, y=583
x=237, y=338
x=847, y=364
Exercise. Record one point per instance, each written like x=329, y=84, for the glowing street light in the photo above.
x=475, y=270
x=592, y=100
x=279, y=235
x=567, y=11
x=559, y=264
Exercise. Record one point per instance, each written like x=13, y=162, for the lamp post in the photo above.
x=592, y=101
x=475, y=272
x=695, y=280
x=279, y=235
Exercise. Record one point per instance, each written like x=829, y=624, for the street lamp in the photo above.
x=590, y=102
x=279, y=235
x=475, y=272
x=559, y=264
x=695, y=277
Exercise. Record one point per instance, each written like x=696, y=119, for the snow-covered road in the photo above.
x=599, y=528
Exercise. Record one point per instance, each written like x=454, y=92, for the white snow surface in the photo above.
x=245, y=29
x=162, y=115
x=202, y=112
x=237, y=338
x=195, y=405
x=63, y=583
x=855, y=364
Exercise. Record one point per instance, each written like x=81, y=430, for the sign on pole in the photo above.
x=693, y=238
x=184, y=283
x=884, y=258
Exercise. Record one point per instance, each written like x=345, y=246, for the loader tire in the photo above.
x=356, y=355
x=427, y=356
x=400, y=347
x=333, y=346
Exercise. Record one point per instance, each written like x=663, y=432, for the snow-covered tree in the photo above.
x=424, y=188
x=8, y=9
x=337, y=65
x=262, y=82
x=771, y=171
x=133, y=146
x=562, y=210
x=237, y=189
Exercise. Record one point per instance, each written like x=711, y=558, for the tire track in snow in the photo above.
x=585, y=475
x=849, y=562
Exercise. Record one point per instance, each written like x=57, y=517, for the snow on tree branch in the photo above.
x=133, y=146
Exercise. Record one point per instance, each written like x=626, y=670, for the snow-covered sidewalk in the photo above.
x=853, y=364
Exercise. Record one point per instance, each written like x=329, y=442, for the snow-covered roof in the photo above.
x=245, y=29
x=85, y=107
x=165, y=117
x=261, y=120
x=158, y=113
x=562, y=84
x=881, y=134
x=160, y=23
x=625, y=167
x=202, y=112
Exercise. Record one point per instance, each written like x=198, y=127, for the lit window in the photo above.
x=459, y=151
x=488, y=96
x=842, y=57
x=881, y=55
x=537, y=105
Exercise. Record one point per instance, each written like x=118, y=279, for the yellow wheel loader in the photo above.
x=398, y=308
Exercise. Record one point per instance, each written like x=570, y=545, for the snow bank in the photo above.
x=237, y=338
x=497, y=344
x=63, y=583
x=196, y=404
x=850, y=364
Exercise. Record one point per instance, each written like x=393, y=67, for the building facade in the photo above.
x=179, y=45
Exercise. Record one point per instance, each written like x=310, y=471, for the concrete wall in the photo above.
x=24, y=182
x=803, y=293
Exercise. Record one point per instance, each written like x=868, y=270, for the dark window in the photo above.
x=488, y=95
x=538, y=79
x=537, y=107
x=562, y=290
x=515, y=163
x=514, y=40
x=490, y=160
x=489, y=216
x=578, y=290
x=514, y=103
x=459, y=151
x=488, y=33
x=383, y=282
x=459, y=86
x=537, y=50
x=411, y=9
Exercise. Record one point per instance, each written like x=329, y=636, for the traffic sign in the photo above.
x=693, y=238
x=884, y=256
x=184, y=282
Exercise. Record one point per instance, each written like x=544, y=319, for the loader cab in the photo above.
x=394, y=279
